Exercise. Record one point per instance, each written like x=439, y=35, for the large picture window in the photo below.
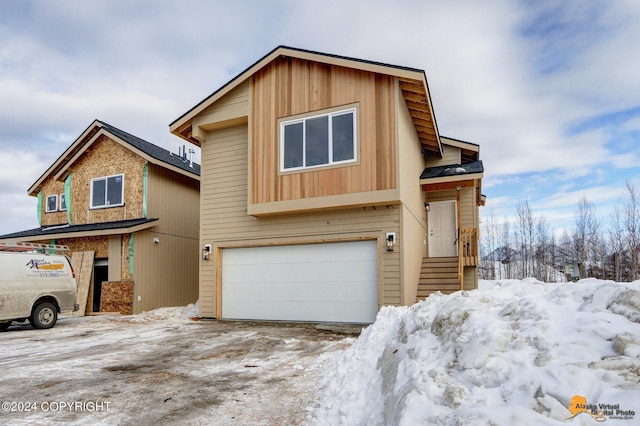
x=320, y=140
x=107, y=191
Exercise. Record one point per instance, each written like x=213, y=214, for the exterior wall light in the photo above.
x=206, y=251
x=391, y=240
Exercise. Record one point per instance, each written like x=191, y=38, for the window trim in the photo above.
x=302, y=118
x=60, y=198
x=46, y=207
x=106, y=179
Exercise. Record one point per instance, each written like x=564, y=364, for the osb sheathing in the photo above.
x=106, y=157
x=98, y=244
x=52, y=187
x=117, y=296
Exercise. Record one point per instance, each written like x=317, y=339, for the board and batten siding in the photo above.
x=225, y=222
x=288, y=87
x=166, y=272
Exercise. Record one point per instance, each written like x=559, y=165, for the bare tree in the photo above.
x=543, y=247
x=617, y=244
x=631, y=224
x=586, y=236
x=524, y=234
x=505, y=238
x=488, y=247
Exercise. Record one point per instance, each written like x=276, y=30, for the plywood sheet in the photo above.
x=82, y=262
x=117, y=296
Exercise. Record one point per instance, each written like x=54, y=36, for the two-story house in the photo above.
x=135, y=206
x=327, y=191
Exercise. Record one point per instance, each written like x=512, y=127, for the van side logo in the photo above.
x=45, y=265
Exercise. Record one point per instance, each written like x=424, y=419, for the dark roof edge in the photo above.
x=84, y=227
x=459, y=140
x=63, y=153
x=329, y=55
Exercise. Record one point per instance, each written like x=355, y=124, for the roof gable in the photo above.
x=147, y=150
x=413, y=84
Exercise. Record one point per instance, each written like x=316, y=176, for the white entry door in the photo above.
x=443, y=230
x=334, y=282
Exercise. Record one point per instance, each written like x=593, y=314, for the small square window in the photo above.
x=52, y=203
x=63, y=203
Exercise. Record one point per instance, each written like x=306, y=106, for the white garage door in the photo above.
x=335, y=282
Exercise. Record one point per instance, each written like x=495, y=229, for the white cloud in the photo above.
x=512, y=77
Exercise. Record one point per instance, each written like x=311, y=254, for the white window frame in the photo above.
x=62, y=198
x=47, y=210
x=106, y=179
x=330, y=115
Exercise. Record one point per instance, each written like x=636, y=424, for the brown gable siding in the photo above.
x=288, y=87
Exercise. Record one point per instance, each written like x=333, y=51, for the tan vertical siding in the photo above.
x=225, y=223
x=175, y=199
x=166, y=273
x=288, y=87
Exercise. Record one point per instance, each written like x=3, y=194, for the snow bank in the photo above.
x=173, y=313
x=515, y=352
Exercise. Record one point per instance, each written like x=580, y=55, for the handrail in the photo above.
x=467, y=251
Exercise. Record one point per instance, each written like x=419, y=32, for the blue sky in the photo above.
x=548, y=89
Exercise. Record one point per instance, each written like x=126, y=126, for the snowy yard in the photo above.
x=163, y=368
x=514, y=352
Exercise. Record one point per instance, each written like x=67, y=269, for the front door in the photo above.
x=443, y=230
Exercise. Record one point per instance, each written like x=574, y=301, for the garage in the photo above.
x=329, y=282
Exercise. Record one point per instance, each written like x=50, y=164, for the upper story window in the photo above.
x=63, y=203
x=52, y=203
x=318, y=140
x=107, y=191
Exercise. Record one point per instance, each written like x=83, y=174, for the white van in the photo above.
x=35, y=285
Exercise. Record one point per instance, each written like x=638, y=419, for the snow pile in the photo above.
x=516, y=352
x=178, y=313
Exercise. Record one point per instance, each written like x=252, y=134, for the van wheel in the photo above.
x=44, y=315
x=4, y=325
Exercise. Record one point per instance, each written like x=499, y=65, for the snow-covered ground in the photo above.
x=511, y=353
x=161, y=367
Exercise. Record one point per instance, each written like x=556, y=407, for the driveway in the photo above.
x=165, y=368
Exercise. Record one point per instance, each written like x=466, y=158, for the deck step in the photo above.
x=438, y=274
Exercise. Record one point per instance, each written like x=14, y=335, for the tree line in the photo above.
x=526, y=246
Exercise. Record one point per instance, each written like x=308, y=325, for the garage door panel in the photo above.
x=313, y=311
x=317, y=282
